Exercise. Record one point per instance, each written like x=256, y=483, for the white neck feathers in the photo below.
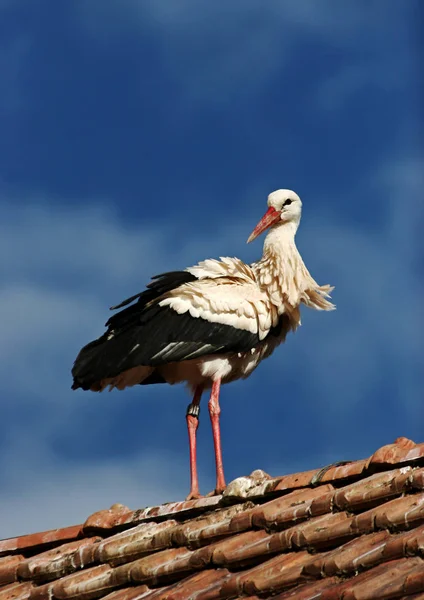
x=282, y=272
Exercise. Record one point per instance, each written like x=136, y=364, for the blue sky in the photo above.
x=143, y=136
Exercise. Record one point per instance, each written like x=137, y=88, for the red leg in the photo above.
x=214, y=412
x=192, y=419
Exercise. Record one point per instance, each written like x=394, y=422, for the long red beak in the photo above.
x=271, y=217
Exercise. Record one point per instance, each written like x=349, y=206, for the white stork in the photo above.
x=210, y=324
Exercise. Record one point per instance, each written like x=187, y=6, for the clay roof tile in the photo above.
x=9, y=567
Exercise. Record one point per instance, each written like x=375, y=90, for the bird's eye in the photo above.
x=287, y=202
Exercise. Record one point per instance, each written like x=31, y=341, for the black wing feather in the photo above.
x=160, y=284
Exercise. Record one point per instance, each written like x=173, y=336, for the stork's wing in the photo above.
x=177, y=318
x=238, y=303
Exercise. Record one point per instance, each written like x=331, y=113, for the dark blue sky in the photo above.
x=142, y=136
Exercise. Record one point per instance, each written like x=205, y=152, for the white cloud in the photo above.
x=42, y=492
x=59, y=242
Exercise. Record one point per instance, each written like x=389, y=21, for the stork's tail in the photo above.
x=87, y=367
x=110, y=362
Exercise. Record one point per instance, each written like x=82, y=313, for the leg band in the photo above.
x=193, y=410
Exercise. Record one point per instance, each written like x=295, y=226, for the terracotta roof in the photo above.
x=352, y=532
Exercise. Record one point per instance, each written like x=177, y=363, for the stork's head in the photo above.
x=284, y=206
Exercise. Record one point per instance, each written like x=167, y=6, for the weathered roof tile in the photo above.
x=242, y=548
x=59, y=561
x=202, y=586
x=359, y=553
x=398, y=513
x=134, y=543
x=40, y=540
x=373, y=490
x=113, y=518
x=16, y=591
x=308, y=591
x=291, y=508
x=320, y=532
x=85, y=585
x=155, y=567
x=215, y=525
x=132, y=593
x=8, y=568
x=402, y=450
x=273, y=575
x=388, y=580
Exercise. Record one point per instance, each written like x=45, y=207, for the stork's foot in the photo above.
x=194, y=496
x=215, y=492
x=220, y=481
